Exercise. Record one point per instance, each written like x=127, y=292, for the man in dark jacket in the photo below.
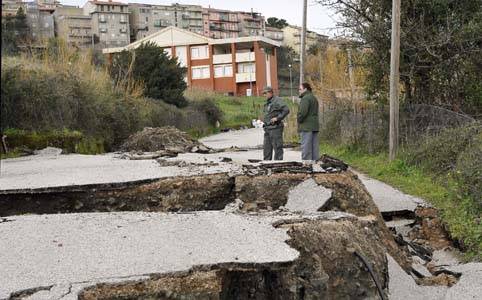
x=275, y=110
x=308, y=124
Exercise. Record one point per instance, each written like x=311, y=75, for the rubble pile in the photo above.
x=168, y=140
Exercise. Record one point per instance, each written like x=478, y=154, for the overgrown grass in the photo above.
x=458, y=210
x=68, y=140
x=62, y=89
x=237, y=112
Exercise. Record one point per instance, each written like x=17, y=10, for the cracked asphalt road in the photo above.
x=45, y=250
x=75, y=250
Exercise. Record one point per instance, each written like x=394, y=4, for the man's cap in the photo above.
x=267, y=89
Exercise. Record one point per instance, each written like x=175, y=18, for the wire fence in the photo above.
x=366, y=126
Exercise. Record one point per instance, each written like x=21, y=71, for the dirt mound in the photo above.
x=163, y=139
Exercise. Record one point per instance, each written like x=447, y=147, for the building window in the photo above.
x=102, y=18
x=101, y=7
x=122, y=8
x=246, y=68
x=223, y=71
x=199, y=52
x=200, y=72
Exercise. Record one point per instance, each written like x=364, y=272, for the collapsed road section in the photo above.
x=196, y=226
x=164, y=256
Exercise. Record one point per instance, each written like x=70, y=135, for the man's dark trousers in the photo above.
x=273, y=140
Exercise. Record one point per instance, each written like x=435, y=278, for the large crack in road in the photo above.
x=211, y=226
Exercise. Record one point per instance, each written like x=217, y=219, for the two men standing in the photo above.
x=275, y=110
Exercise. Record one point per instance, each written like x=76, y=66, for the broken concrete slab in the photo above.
x=402, y=286
x=420, y=270
x=43, y=172
x=446, y=257
x=470, y=282
x=389, y=200
x=50, y=249
x=307, y=196
x=86, y=254
x=182, y=193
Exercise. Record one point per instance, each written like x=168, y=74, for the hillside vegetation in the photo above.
x=61, y=90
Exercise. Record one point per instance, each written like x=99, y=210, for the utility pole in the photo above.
x=291, y=84
x=394, y=79
x=303, y=43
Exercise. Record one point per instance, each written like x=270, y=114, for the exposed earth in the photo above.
x=218, y=225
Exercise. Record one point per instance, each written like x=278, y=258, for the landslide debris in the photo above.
x=167, y=139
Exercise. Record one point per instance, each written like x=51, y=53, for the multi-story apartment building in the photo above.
x=221, y=24
x=274, y=33
x=110, y=22
x=10, y=7
x=189, y=17
x=228, y=24
x=145, y=19
x=251, y=23
x=50, y=4
x=236, y=66
x=73, y=26
x=292, y=38
x=40, y=21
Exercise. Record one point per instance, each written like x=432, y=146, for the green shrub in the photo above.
x=161, y=75
x=209, y=108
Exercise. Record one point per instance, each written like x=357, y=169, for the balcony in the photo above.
x=245, y=77
x=222, y=58
x=253, y=26
x=192, y=17
x=245, y=56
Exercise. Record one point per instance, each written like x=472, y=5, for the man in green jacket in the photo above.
x=275, y=110
x=308, y=124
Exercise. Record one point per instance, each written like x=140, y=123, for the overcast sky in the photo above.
x=320, y=19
